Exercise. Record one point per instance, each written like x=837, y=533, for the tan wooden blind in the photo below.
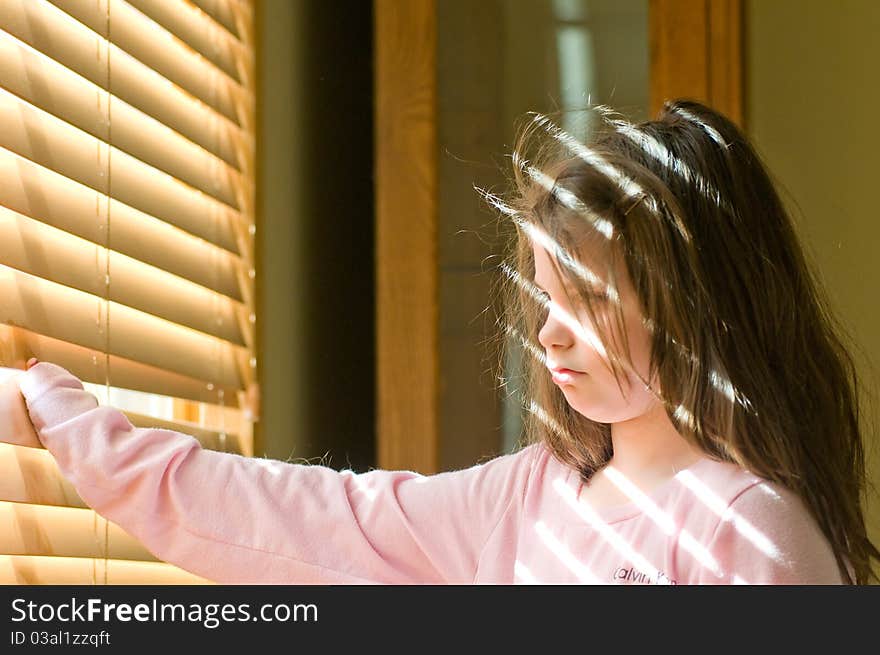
x=126, y=244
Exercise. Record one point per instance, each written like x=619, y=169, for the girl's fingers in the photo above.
x=31, y=363
x=15, y=422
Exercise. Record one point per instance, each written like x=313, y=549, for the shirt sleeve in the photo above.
x=766, y=536
x=234, y=519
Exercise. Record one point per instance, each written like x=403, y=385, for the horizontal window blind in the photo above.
x=127, y=232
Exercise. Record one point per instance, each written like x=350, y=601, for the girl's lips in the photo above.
x=564, y=375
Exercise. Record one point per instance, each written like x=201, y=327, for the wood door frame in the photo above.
x=407, y=294
x=697, y=51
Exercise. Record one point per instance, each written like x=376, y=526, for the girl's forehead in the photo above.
x=550, y=275
x=588, y=262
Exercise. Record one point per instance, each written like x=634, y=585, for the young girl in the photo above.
x=693, y=417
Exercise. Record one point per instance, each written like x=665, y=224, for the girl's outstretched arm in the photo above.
x=233, y=519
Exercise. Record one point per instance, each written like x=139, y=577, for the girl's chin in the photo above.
x=587, y=410
x=595, y=412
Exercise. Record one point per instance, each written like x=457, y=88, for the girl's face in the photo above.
x=571, y=342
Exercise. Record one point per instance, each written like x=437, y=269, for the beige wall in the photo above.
x=812, y=94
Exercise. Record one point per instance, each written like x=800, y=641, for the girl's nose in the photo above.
x=556, y=330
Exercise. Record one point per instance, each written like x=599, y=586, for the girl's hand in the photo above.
x=15, y=423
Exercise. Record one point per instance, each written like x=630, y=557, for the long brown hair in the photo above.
x=747, y=358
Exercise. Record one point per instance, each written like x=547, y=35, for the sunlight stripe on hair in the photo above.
x=572, y=202
x=629, y=186
x=663, y=156
x=714, y=134
x=530, y=347
x=546, y=419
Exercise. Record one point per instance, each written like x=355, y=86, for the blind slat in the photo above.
x=46, y=196
x=136, y=35
x=127, y=146
x=199, y=30
x=42, y=570
x=51, y=254
x=90, y=365
x=52, y=143
x=65, y=532
x=76, y=317
x=66, y=95
x=223, y=13
x=49, y=30
x=30, y=475
x=228, y=442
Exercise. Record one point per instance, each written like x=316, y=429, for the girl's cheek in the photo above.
x=640, y=345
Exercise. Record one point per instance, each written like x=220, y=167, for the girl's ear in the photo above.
x=15, y=422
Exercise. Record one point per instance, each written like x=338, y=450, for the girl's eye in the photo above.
x=597, y=297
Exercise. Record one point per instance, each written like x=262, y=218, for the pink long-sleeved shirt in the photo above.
x=514, y=519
